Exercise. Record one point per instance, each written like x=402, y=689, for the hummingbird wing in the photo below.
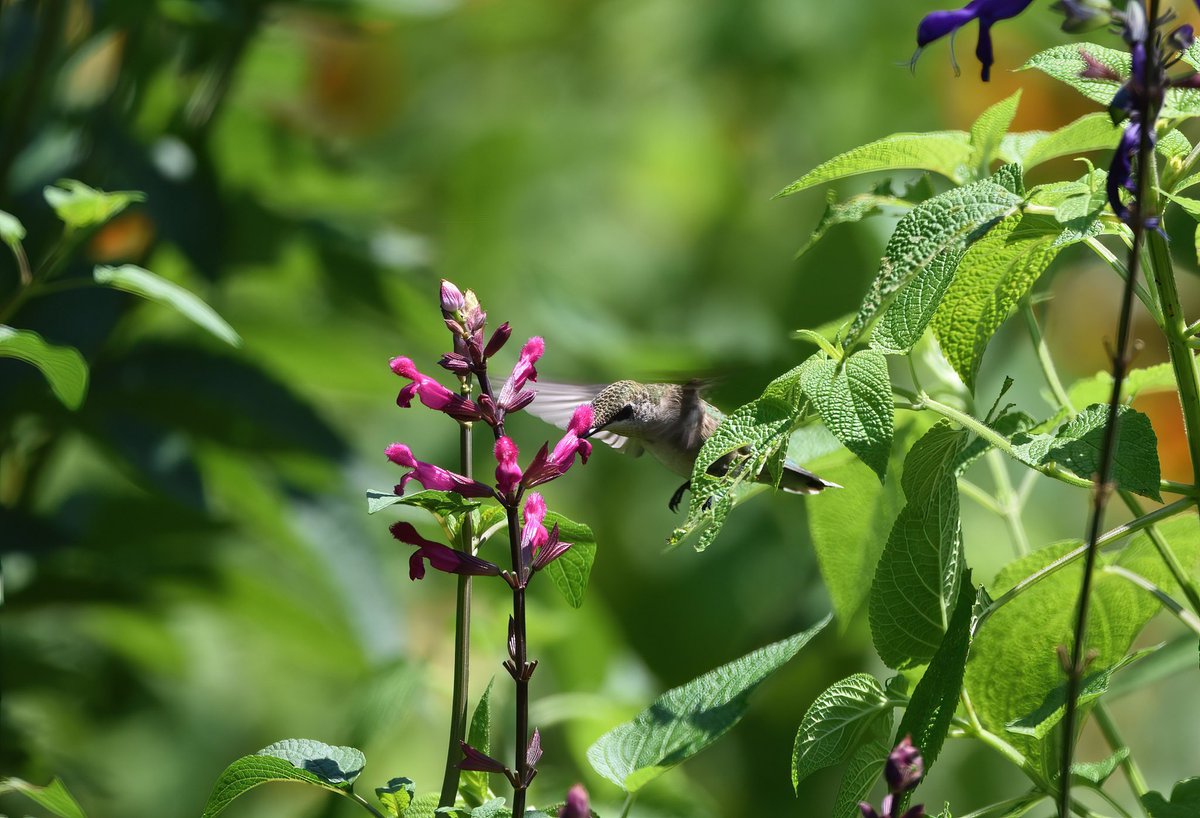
x=556, y=402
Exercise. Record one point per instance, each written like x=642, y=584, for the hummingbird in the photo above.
x=669, y=420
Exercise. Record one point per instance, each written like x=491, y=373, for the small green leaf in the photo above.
x=1097, y=772
x=132, y=279
x=1187, y=205
x=862, y=771
x=846, y=715
x=852, y=210
x=1173, y=145
x=988, y=131
x=570, y=572
x=687, y=719
x=397, y=796
x=424, y=806
x=308, y=764
x=62, y=366
x=1185, y=801
x=441, y=504
x=1098, y=387
x=947, y=222
x=1066, y=64
x=945, y=152
x=1091, y=132
x=854, y=399
x=474, y=784
x=338, y=766
x=79, y=206
x=916, y=582
x=54, y=796
x=12, y=232
x=1076, y=446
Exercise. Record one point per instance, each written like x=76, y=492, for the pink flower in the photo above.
x=550, y=550
x=508, y=473
x=431, y=393
x=547, y=466
x=513, y=394
x=533, y=534
x=452, y=298
x=434, y=477
x=441, y=557
x=577, y=804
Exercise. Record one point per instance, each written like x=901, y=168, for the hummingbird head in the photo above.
x=622, y=407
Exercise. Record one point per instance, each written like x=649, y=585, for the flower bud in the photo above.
x=577, y=804
x=1084, y=15
x=452, y=298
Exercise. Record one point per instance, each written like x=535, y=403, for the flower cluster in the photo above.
x=904, y=770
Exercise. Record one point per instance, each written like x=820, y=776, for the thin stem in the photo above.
x=1007, y=499
x=1167, y=554
x=1112, y=735
x=1119, y=266
x=1049, y=372
x=980, y=496
x=1183, y=614
x=1148, y=115
x=625, y=807
x=1111, y=801
x=365, y=804
x=1111, y=536
x=1013, y=806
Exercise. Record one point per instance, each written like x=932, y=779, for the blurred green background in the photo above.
x=189, y=569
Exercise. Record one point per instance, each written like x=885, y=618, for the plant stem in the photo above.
x=980, y=496
x=1184, y=615
x=1112, y=734
x=1167, y=554
x=1013, y=806
x=625, y=807
x=1049, y=372
x=1006, y=498
x=521, y=670
x=1142, y=293
x=364, y=803
x=1148, y=107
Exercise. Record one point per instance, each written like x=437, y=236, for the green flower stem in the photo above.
x=1009, y=504
x=1111, y=536
x=1049, y=372
x=1192, y=328
x=364, y=803
x=1183, y=614
x=1167, y=554
x=1119, y=266
x=1112, y=734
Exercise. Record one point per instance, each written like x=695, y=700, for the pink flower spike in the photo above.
x=434, y=477
x=508, y=472
x=577, y=805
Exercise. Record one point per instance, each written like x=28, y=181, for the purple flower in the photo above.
x=1120, y=172
x=547, y=465
x=434, y=477
x=441, y=557
x=431, y=393
x=508, y=473
x=905, y=767
x=577, y=804
x=479, y=761
x=938, y=24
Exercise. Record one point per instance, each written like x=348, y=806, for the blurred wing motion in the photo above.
x=556, y=402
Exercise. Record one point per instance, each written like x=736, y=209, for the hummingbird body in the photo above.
x=671, y=421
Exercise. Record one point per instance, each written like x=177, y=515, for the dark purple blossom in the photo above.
x=442, y=557
x=550, y=550
x=498, y=340
x=904, y=770
x=577, y=805
x=479, y=761
x=434, y=477
x=938, y=24
x=547, y=465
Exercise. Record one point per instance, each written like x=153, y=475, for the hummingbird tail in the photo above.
x=797, y=480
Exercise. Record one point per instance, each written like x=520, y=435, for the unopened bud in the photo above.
x=1084, y=15
x=452, y=298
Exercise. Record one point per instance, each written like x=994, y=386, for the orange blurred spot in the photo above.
x=1166, y=417
x=126, y=238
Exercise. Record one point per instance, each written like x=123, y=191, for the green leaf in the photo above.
x=854, y=400
x=899, y=329
x=993, y=276
x=849, y=527
x=845, y=716
x=1097, y=772
x=424, y=806
x=754, y=434
x=397, y=796
x=1049, y=713
x=862, y=771
x=1064, y=63
x=474, y=784
x=570, y=572
x=132, y=279
x=1014, y=665
x=916, y=582
x=62, y=366
x=944, y=223
x=1185, y=801
x=79, y=206
x=1098, y=387
x=1188, y=206
x=931, y=706
x=854, y=209
x=1091, y=132
x=1076, y=446
x=440, y=504
x=12, y=232
x=684, y=721
x=945, y=152
x=306, y=761
x=1173, y=145
x=54, y=796
x=988, y=131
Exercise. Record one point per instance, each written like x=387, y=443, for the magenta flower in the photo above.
x=431, y=393
x=533, y=534
x=498, y=340
x=513, y=395
x=434, y=477
x=550, y=550
x=938, y=24
x=577, y=805
x=547, y=465
x=904, y=770
x=441, y=557
x=508, y=473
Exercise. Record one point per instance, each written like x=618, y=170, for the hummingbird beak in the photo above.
x=589, y=432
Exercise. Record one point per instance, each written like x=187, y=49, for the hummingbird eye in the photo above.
x=625, y=413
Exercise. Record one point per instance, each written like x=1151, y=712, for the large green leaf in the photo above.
x=1091, y=132
x=916, y=582
x=992, y=277
x=79, y=205
x=132, y=279
x=945, y=152
x=1066, y=64
x=1077, y=444
x=862, y=771
x=849, y=527
x=438, y=503
x=54, y=796
x=570, y=572
x=846, y=715
x=303, y=760
x=904, y=322
x=944, y=223
x=1014, y=665
x=63, y=367
x=854, y=400
x=683, y=721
